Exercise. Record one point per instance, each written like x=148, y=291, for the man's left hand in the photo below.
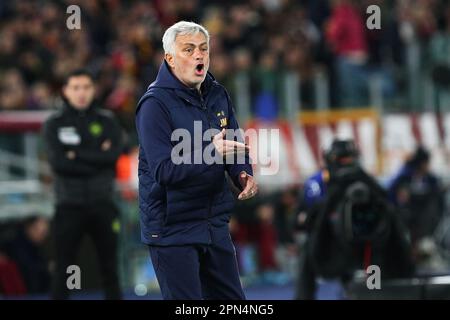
x=106, y=145
x=249, y=186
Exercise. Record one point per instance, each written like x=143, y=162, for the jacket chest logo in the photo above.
x=95, y=129
x=69, y=136
x=222, y=118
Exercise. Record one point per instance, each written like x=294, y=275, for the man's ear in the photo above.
x=170, y=60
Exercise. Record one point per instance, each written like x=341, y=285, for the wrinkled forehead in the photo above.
x=196, y=39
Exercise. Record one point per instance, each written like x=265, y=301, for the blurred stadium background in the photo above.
x=309, y=68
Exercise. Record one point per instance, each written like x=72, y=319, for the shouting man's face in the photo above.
x=191, y=60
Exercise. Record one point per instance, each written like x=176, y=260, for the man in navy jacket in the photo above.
x=185, y=205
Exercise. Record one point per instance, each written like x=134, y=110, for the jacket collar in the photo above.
x=68, y=108
x=166, y=79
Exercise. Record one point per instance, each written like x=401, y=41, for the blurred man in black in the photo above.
x=350, y=224
x=83, y=145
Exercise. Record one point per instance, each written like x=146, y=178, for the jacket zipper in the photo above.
x=205, y=109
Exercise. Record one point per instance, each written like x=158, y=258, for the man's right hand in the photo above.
x=228, y=147
x=70, y=154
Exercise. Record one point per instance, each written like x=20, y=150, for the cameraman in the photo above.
x=349, y=222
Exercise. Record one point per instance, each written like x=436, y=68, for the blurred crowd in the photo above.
x=269, y=232
x=120, y=41
x=24, y=263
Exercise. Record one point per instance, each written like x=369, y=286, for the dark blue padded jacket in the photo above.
x=183, y=203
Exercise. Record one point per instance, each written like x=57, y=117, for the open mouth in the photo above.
x=199, y=69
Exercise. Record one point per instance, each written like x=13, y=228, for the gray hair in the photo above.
x=181, y=28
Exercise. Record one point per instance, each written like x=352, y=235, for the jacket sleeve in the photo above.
x=99, y=157
x=235, y=169
x=57, y=154
x=154, y=132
